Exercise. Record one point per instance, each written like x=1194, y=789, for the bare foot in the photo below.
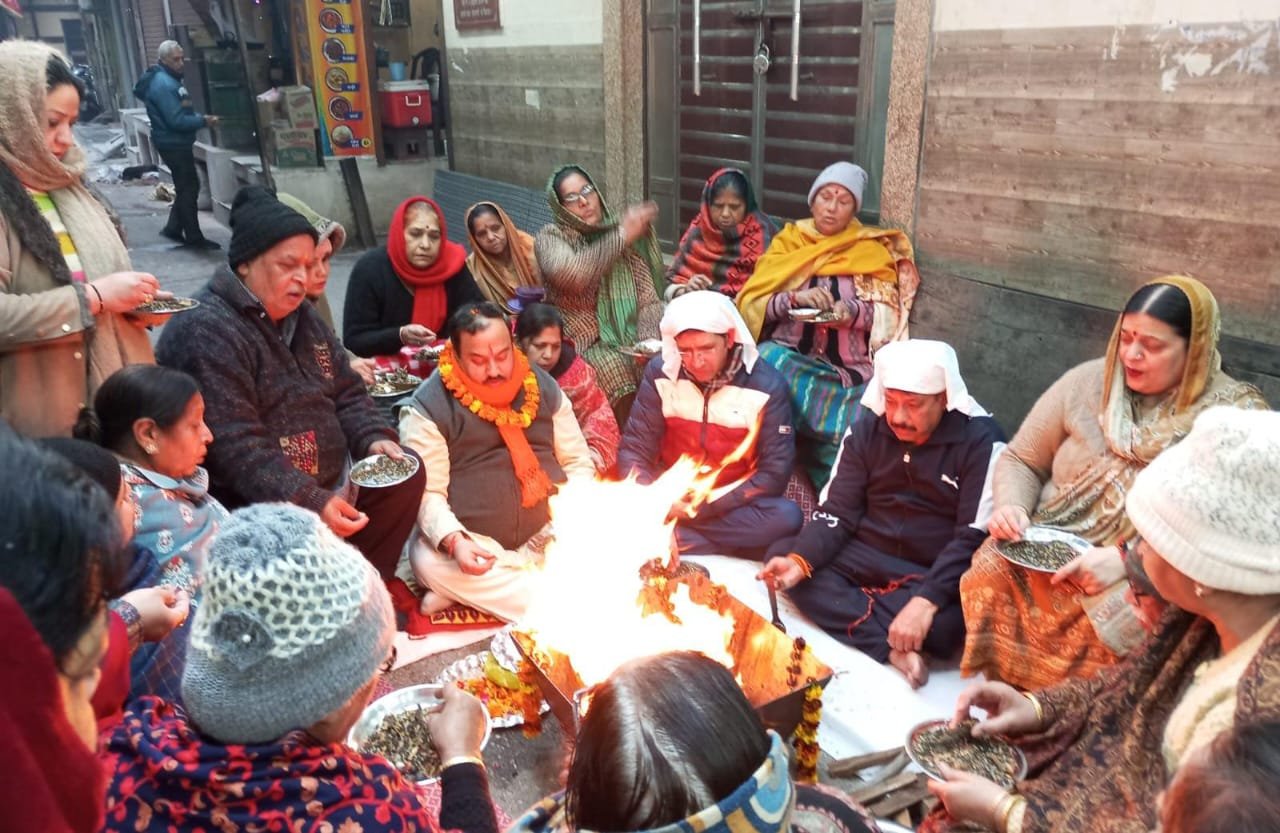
x=432, y=603
x=912, y=665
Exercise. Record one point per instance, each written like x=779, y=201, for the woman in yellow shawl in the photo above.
x=861, y=280
x=501, y=258
x=1070, y=466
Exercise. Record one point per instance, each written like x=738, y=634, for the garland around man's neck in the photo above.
x=498, y=416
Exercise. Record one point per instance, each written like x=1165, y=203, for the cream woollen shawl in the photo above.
x=113, y=342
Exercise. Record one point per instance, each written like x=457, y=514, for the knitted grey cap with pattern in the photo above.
x=293, y=623
x=1210, y=505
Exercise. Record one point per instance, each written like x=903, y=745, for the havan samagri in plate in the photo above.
x=167, y=306
x=379, y=470
x=1043, y=549
x=395, y=727
x=934, y=742
x=395, y=383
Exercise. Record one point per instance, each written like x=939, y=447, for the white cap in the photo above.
x=920, y=366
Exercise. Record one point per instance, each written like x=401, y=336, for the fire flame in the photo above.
x=584, y=600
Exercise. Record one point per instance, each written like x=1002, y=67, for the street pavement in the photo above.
x=181, y=270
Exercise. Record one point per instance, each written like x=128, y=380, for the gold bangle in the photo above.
x=1003, y=810
x=462, y=759
x=1010, y=810
x=1035, y=704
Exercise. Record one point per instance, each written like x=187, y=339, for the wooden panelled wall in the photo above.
x=1063, y=167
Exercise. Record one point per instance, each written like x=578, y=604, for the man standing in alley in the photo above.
x=173, y=132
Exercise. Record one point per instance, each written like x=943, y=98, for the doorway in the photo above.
x=748, y=110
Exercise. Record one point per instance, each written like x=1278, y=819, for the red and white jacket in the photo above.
x=677, y=417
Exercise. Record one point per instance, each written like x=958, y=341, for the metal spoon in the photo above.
x=773, y=607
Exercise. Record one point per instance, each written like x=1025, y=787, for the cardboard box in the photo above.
x=298, y=106
x=268, y=112
x=293, y=147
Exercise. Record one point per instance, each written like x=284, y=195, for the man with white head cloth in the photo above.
x=708, y=397
x=908, y=502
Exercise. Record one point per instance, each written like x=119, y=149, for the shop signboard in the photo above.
x=476, y=14
x=338, y=63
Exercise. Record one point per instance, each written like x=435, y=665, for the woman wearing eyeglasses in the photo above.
x=1101, y=750
x=294, y=633
x=605, y=274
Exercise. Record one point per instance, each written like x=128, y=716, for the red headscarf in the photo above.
x=52, y=782
x=430, y=305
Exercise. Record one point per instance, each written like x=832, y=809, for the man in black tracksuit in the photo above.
x=879, y=564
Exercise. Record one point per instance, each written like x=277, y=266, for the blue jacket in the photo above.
x=892, y=509
x=675, y=417
x=173, y=121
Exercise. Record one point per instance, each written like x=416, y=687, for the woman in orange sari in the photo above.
x=501, y=258
x=1070, y=466
x=862, y=278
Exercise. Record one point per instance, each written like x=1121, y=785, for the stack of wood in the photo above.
x=891, y=791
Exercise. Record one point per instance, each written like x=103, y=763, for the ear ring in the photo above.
x=152, y=449
x=1200, y=591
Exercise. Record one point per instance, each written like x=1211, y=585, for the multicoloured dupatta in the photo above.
x=728, y=257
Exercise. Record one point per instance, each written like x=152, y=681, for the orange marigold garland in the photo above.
x=805, y=738
x=498, y=416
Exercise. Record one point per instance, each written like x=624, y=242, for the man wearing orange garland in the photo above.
x=496, y=437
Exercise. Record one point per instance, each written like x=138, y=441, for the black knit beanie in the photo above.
x=260, y=221
x=101, y=465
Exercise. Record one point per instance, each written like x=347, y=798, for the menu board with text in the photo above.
x=476, y=14
x=338, y=75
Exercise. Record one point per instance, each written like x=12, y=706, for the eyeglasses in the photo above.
x=388, y=663
x=1133, y=568
x=574, y=199
x=699, y=353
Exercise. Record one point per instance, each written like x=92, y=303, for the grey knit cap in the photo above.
x=328, y=229
x=847, y=174
x=294, y=621
x=1210, y=505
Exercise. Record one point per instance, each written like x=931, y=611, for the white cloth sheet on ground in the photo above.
x=867, y=706
x=411, y=650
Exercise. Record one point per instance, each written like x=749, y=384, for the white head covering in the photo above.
x=920, y=366
x=710, y=312
x=847, y=174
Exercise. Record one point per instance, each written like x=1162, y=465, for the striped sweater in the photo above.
x=50, y=212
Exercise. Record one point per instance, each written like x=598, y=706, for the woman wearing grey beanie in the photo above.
x=1101, y=750
x=295, y=631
